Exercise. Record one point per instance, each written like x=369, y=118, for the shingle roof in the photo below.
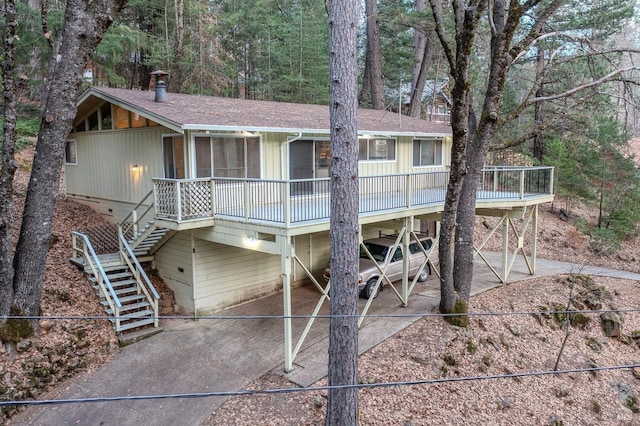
x=208, y=112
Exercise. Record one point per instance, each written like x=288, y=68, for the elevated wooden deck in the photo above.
x=194, y=203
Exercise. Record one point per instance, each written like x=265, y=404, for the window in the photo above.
x=105, y=117
x=427, y=152
x=173, y=153
x=70, y=152
x=377, y=149
x=414, y=247
x=227, y=156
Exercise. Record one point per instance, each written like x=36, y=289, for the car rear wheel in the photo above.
x=368, y=290
x=424, y=275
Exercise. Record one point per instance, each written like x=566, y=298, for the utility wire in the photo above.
x=324, y=316
x=315, y=388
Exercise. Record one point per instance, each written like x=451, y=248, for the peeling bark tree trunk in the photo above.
x=415, y=104
x=423, y=54
x=466, y=24
x=470, y=145
x=342, y=407
x=178, y=57
x=538, y=141
x=8, y=162
x=85, y=23
x=373, y=83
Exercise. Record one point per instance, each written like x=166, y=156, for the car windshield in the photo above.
x=378, y=252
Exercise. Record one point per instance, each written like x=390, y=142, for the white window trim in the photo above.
x=429, y=166
x=74, y=143
x=192, y=148
x=395, y=142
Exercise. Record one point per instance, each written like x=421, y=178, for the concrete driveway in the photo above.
x=209, y=355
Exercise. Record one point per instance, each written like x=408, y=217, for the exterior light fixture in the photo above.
x=251, y=241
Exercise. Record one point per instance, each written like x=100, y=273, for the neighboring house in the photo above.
x=436, y=100
x=240, y=188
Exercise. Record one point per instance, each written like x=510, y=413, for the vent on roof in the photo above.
x=161, y=88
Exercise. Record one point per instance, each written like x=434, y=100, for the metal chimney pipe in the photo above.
x=160, y=86
x=161, y=92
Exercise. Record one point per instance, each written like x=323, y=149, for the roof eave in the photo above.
x=220, y=128
x=177, y=127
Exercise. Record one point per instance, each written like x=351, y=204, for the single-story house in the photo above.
x=226, y=183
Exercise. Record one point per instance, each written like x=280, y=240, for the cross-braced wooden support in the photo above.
x=512, y=246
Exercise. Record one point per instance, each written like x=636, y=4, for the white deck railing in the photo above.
x=298, y=201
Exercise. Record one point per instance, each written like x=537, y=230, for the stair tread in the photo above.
x=136, y=324
x=109, y=269
x=136, y=310
x=127, y=299
x=118, y=284
x=137, y=314
x=123, y=290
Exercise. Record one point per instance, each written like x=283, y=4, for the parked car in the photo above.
x=380, y=249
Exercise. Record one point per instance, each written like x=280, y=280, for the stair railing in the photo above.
x=131, y=223
x=81, y=247
x=143, y=283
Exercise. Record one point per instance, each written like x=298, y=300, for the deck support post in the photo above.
x=505, y=248
x=534, y=239
x=408, y=226
x=286, y=252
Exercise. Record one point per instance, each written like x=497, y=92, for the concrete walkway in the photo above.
x=226, y=354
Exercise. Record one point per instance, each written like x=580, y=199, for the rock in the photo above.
x=612, y=324
x=636, y=372
x=555, y=420
x=596, y=343
x=505, y=403
x=541, y=336
x=626, y=396
x=627, y=340
x=420, y=359
x=23, y=345
x=515, y=330
x=318, y=402
x=579, y=320
x=504, y=341
x=46, y=325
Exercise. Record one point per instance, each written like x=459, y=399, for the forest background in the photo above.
x=565, y=97
x=278, y=50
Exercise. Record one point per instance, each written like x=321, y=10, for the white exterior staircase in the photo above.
x=129, y=298
x=136, y=311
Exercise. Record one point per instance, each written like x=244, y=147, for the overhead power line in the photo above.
x=315, y=388
x=324, y=316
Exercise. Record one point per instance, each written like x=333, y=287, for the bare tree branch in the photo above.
x=581, y=87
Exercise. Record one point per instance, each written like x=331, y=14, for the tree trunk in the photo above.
x=342, y=407
x=422, y=54
x=178, y=56
x=415, y=104
x=85, y=23
x=538, y=141
x=8, y=162
x=454, y=265
x=374, y=56
x=364, y=97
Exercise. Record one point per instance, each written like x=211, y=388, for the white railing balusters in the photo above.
x=276, y=201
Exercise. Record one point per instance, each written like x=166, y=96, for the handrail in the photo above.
x=91, y=257
x=133, y=214
x=141, y=276
x=292, y=201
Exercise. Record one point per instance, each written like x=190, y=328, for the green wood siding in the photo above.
x=175, y=265
x=227, y=275
x=106, y=159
